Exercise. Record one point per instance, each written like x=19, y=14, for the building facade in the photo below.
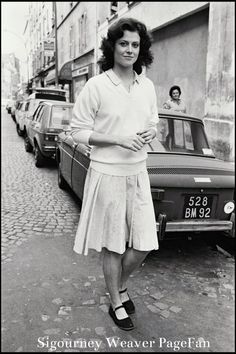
x=10, y=70
x=76, y=38
x=40, y=42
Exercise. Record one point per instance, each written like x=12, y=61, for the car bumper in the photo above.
x=49, y=151
x=191, y=226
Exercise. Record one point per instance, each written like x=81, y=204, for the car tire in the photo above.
x=19, y=132
x=28, y=146
x=62, y=184
x=39, y=159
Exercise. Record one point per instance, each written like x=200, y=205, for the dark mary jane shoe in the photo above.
x=126, y=323
x=128, y=305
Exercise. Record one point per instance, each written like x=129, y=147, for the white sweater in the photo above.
x=106, y=107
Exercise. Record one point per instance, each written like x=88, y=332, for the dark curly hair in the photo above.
x=174, y=88
x=115, y=32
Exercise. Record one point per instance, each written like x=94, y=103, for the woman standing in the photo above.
x=116, y=113
x=175, y=103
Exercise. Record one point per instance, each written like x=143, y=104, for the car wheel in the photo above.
x=39, y=159
x=19, y=132
x=61, y=180
x=28, y=146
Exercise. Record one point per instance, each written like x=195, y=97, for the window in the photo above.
x=72, y=42
x=113, y=8
x=60, y=117
x=44, y=114
x=177, y=135
x=83, y=32
x=40, y=114
x=22, y=108
x=37, y=113
x=62, y=50
x=27, y=106
x=188, y=140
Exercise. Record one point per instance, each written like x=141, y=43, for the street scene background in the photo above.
x=54, y=299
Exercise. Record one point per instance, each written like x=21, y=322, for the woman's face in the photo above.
x=127, y=49
x=175, y=94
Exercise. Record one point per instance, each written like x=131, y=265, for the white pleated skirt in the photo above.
x=117, y=212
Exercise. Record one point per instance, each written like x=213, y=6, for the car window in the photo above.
x=32, y=106
x=41, y=110
x=50, y=96
x=60, y=117
x=44, y=113
x=22, y=107
x=37, y=112
x=27, y=106
x=181, y=136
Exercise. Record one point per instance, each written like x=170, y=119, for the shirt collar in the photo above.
x=116, y=80
x=178, y=100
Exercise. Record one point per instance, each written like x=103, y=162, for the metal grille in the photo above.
x=188, y=171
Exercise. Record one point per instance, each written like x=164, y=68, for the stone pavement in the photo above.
x=51, y=295
x=56, y=300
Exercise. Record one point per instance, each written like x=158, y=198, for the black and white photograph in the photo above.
x=118, y=176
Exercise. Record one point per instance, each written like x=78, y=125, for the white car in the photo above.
x=41, y=94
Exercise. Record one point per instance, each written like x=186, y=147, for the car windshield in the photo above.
x=60, y=117
x=181, y=136
x=50, y=96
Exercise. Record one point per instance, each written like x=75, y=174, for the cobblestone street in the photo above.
x=50, y=294
x=32, y=202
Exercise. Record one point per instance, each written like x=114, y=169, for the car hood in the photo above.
x=167, y=170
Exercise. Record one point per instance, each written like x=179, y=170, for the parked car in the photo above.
x=9, y=106
x=192, y=190
x=13, y=109
x=31, y=103
x=19, y=114
x=49, y=119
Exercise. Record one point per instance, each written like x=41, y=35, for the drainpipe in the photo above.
x=56, y=50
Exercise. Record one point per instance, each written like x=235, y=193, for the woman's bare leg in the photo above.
x=112, y=274
x=130, y=262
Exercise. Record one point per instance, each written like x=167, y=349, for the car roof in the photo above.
x=168, y=113
x=48, y=89
x=56, y=103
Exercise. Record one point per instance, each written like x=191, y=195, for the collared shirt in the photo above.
x=105, y=106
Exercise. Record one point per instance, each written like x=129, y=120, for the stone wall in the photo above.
x=219, y=106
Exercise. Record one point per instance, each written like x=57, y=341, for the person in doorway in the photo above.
x=116, y=113
x=175, y=103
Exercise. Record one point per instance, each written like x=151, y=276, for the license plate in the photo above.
x=197, y=206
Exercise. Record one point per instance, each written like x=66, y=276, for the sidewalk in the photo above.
x=49, y=293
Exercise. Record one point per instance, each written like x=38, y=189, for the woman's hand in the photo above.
x=133, y=142
x=148, y=135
